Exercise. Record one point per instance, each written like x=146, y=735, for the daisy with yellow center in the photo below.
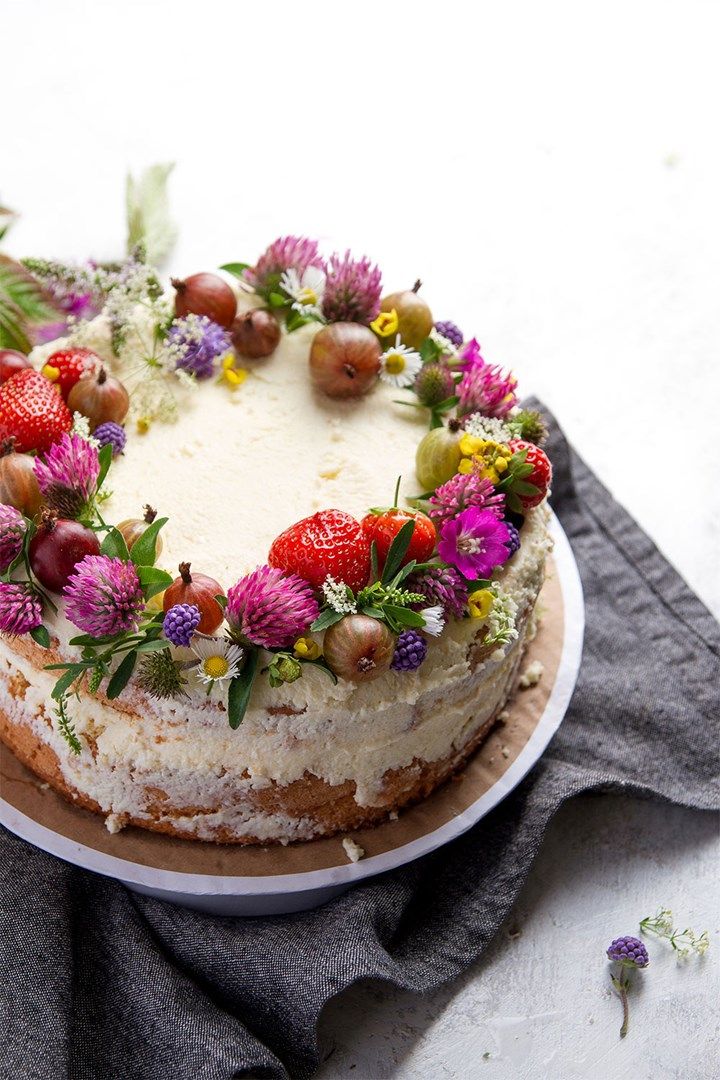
x=400, y=364
x=219, y=660
x=306, y=292
x=386, y=324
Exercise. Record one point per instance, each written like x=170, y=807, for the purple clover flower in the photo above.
x=460, y=493
x=20, y=607
x=12, y=535
x=180, y=623
x=451, y=331
x=352, y=290
x=285, y=253
x=474, y=542
x=513, y=542
x=196, y=342
x=410, y=651
x=103, y=596
x=630, y=951
x=270, y=608
x=68, y=475
x=484, y=388
x=441, y=585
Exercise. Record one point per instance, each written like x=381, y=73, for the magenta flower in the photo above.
x=270, y=608
x=286, y=253
x=68, y=475
x=352, y=290
x=470, y=355
x=485, y=388
x=20, y=607
x=103, y=596
x=462, y=492
x=440, y=585
x=474, y=543
x=12, y=535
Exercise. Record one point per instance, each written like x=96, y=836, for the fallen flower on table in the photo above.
x=683, y=942
x=628, y=953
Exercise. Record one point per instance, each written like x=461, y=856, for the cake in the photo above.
x=324, y=607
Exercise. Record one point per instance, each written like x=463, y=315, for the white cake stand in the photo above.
x=282, y=893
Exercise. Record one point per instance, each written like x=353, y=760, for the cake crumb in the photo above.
x=393, y=815
x=353, y=851
x=44, y=787
x=531, y=675
x=115, y=822
x=503, y=717
x=505, y=752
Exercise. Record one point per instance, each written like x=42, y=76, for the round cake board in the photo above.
x=233, y=880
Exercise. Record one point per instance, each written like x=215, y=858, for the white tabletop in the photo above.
x=551, y=171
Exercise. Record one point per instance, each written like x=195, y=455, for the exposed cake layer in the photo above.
x=309, y=758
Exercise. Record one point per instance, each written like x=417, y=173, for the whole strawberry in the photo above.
x=330, y=542
x=32, y=412
x=382, y=528
x=67, y=366
x=540, y=477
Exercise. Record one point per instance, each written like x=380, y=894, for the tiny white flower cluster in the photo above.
x=444, y=344
x=338, y=596
x=81, y=427
x=487, y=427
x=501, y=620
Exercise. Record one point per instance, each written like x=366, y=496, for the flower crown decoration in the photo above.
x=352, y=599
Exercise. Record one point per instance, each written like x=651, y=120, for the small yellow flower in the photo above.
x=470, y=444
x=51, y=373
x=306, y=649
x=480, y=603
x=386, y=324
x=143, y=425
x=231, y=375
x=465, y=466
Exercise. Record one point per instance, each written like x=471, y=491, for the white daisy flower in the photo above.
x=306, y=292
x=400, y=364
x=219, y=659
x=434, y=620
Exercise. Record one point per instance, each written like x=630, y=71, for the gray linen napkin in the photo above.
x=98, y=984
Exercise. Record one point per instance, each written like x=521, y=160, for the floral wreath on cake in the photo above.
x=353, y=598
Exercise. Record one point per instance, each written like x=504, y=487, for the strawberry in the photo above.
x=382, y=528
x=541, y=475
x=32, y=412
x=67, y=366
x=330, y=542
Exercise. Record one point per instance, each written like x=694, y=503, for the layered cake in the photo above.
x=271, y=544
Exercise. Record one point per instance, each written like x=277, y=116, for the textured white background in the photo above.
x=552, y=172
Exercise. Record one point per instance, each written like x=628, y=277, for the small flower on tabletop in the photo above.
x=486, y=388
x=386, y=324
x=12, y=535
x=305, y=648
x=286, y=253
x=448, y=329
x=230, y=373
x=400, y=364
x=180, y=623
x=434, y=383
x=410, y=651
x=111, y=434
x=434, y=620
x=480, y=603
x=67, y=475
x=339, y=596
x=195, y=343
x=441, y=585
x=464, y=491
x=160, y=676
x=284, y=669
x=104, y=597
x=630, y=954
x=219, y=660
x=20, y=608
x=352, y=290
x=513, y=540
x=270, y=608
x=474, y=543
x=306, y=290
x=684, y=942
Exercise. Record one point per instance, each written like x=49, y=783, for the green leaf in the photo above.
x=240, y=690
x=105, y=456
x=88, y=639
x=148, y=217
x=373, y=611
x=144, y=549
x=41, y=636
x=404, y=616
x=22, y=305
x=121, y=675
x=153, y=580
x=295, y=320
x=155, y=645
x=113, y=544
x=72, y=672
x=521, y=487
x=397, y=551
x=429, y=351
x=374, y=561
x=277, y=299
x=326, y=619
x=222, y=601
x=237, y=269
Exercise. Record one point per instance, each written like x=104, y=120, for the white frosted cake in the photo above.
x=312, y=647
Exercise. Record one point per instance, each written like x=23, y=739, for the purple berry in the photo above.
x=111, y=433
x=629, y=951
x=513, y=541
x=410, y=651
x=180, y=623
x=450, y=331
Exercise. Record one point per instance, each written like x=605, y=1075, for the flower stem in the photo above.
x=620, y=986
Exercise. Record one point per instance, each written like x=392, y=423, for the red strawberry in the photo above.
x=67, y=366
x=330, y=542
x=32, y=412
x=383, y=528
x=540, y=477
